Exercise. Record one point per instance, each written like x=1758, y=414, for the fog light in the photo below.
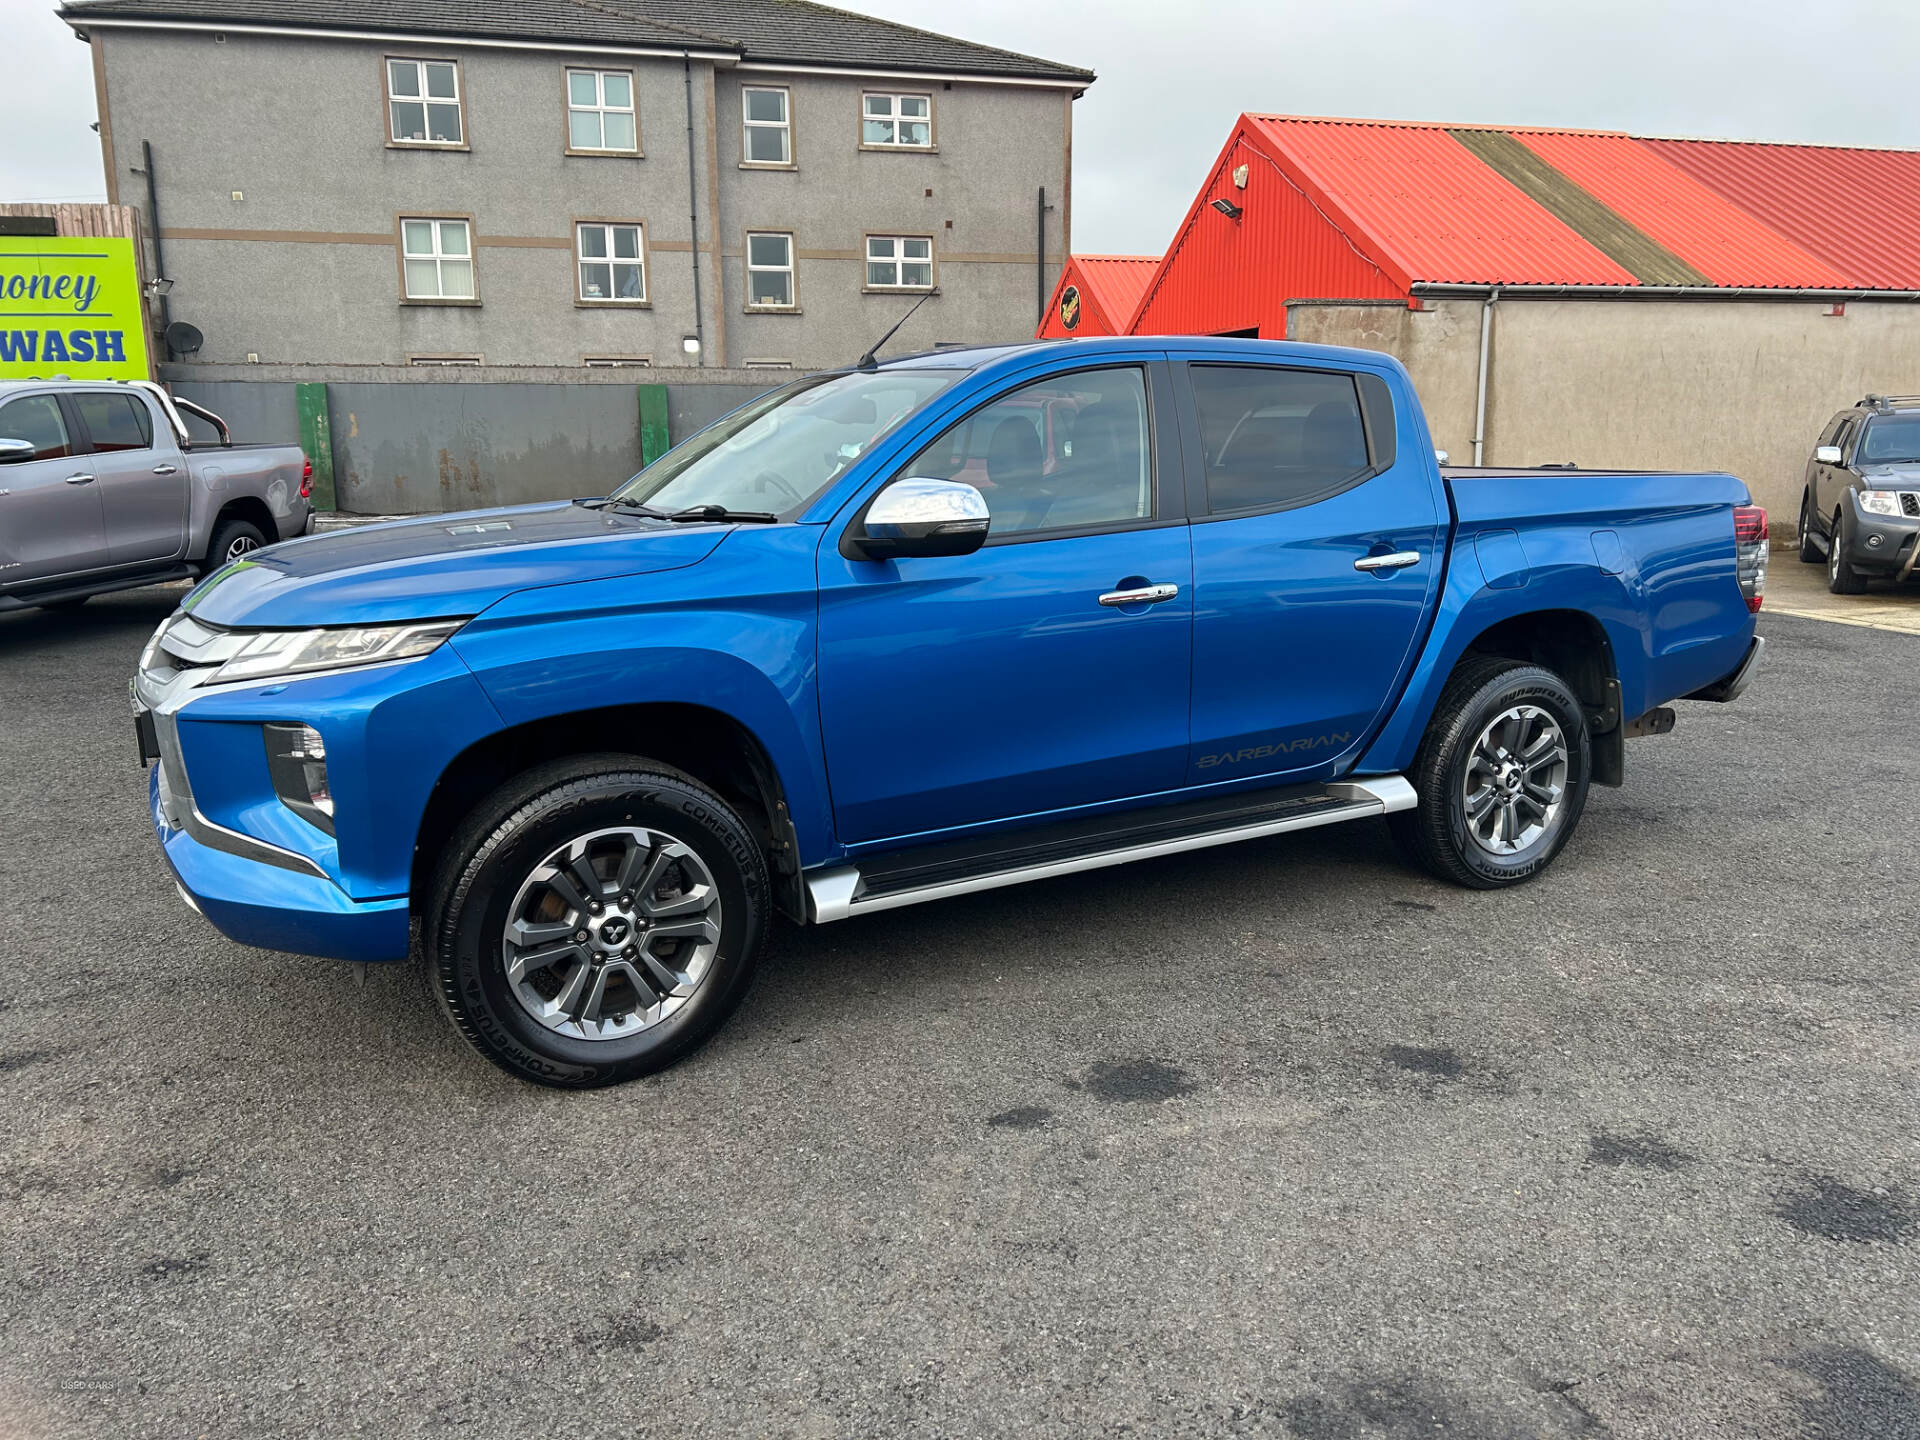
x=297, y=765
x=1873, y=542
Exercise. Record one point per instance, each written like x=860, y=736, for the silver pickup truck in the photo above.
x=102, y=488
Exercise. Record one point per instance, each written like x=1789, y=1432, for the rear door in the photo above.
x=143, y=490
x=1316, y=560
x=50, y=517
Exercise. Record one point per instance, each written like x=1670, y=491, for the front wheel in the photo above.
x=595, y=920
x=1809, y=552
x=1502, y=775
x=1842, y=578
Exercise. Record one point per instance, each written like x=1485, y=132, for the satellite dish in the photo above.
x=184, y=339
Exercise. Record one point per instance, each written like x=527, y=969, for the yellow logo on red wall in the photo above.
x=1070, y=306
x=70, y=305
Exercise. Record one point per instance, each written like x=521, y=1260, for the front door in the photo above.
x=1315, y=564
x=143, y=492
x=961, y=691
x=50, y=517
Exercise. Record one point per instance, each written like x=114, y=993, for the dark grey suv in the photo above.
x=1860, y=514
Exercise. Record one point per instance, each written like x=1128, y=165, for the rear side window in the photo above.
x=36, y=420
x=1277, y=437
x=115, y=422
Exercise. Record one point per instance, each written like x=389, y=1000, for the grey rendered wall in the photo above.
x=256, y=414
x=304, y=268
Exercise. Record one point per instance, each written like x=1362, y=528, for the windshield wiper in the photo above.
x=721, y=512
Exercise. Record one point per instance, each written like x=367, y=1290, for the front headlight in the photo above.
x=1880, y=502
x=299, y=652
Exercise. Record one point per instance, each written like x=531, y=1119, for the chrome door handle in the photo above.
x=1398, y=560
x=79, y=479
x=1145, y=595
x=163, y=469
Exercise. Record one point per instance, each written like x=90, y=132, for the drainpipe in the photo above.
x=1480, y=389
x=693, y=213
x=1040, y=262
x=153, y=226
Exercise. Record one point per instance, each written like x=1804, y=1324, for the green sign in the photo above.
x=70, y=306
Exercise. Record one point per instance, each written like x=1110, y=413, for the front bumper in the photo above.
x=1880, y=544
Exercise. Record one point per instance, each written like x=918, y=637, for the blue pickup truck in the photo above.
x=905, y=631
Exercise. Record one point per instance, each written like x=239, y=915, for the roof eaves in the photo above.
x=1041, y=69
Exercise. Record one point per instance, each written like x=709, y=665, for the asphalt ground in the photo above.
x=1280, y=1139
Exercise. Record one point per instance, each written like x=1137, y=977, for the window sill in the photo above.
x=765, y=165
x=453, y=304
x=900, y=149
x=427, y=145
x=899, y=289
x=771, y=310
x=580, y=304
x=606, y=154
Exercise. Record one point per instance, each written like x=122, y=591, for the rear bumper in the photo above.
x=276, y=908
x=1734, y=682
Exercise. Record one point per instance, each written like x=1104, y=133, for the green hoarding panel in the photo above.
x=655, y=440
x=316, y=438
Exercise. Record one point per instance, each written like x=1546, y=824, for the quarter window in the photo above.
x=612, y=266
x=1277, y=437
x=900, y=262
x=600, y=113
x=438, y=258
x=423, y=102
x=770, y=271
x=1063, y=453
x=767, y=137
x=902, y=122
x=36, y=420
x=115, y=422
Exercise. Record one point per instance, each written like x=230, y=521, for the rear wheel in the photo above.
x=1842, y=578
x=1502, y=775
x=595, y=920
x=233, y=540
x=1809, y=552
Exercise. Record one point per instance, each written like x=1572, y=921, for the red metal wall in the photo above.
x=1222, y=275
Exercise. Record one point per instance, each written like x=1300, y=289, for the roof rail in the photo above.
x=1884, y=403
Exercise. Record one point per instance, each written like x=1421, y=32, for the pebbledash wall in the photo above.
x=416, y=441
x=281, y=196
x=1718, y=384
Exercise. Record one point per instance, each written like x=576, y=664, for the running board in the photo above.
x=844, y=892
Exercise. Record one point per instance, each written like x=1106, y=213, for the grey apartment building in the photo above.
x=578, y=182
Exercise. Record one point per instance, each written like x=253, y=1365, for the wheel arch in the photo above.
x=1576, y=647
x=250, y=508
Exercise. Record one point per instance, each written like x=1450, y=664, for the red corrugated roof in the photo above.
x=1118, y=281
x=1857, y=210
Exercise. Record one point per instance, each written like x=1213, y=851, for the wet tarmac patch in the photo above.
x=1133, y=1082
x=1642, y=1151
x=1440, y=1064
x=1399, y=1409
x=1415, y=905
x=1861, y=1394
x=621, y=1332
x=1834, y=1210
x=21, y=1059
x=1022, y=1117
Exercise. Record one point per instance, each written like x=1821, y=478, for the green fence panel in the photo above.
x=655, y=439
x=316, y=438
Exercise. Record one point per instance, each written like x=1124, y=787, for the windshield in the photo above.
x=1890, y=437
x=782, y=450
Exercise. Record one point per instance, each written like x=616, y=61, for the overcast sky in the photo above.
x=1175, y=73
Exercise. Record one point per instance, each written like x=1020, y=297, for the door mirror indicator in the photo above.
x=12, y=452
x=1827, y=455
x=918, y=516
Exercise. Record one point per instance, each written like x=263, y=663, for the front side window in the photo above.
x=115, y=422
x=778, y=453
x=612, y=267
x=1063, y=453
x=900, y=122
x=900, y=262
x=423, y=102
x=1277, y=437
x=770, y=271
x=767, y=134
x=36, y=419
x=437, y=256
x=600, y=113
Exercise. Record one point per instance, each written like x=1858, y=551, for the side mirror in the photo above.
x=12, y=452
x=1827, y=455
x=1440, y=457
x=920, y=517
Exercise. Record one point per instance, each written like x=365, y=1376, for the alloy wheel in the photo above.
x=1515, y=780
x=241, y=545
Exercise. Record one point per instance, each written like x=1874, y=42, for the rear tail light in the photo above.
x=306, y=478
x=1750, y=551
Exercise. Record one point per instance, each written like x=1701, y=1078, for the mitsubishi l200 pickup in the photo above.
x=910, y=630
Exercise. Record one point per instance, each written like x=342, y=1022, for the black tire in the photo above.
x=1435, y=833
x=498, y=847
x=225, y=535
x=1842, y=578
x=1809, y=552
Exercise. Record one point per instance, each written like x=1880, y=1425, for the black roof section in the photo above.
x=796, y=32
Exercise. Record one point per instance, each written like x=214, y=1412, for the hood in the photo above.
x=441, y=565
x=1890, y=474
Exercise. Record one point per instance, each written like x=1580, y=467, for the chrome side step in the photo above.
x=841, y=893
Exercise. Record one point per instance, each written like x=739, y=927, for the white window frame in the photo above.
x=617, y=362
x=602, y=109
x=581, y=260
x=439, y=255
x=767, y=364
x=422, y=99
x=895, y=255
x=748, y=125
x=790, y=270
x=430, y=361
x=895, y=119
